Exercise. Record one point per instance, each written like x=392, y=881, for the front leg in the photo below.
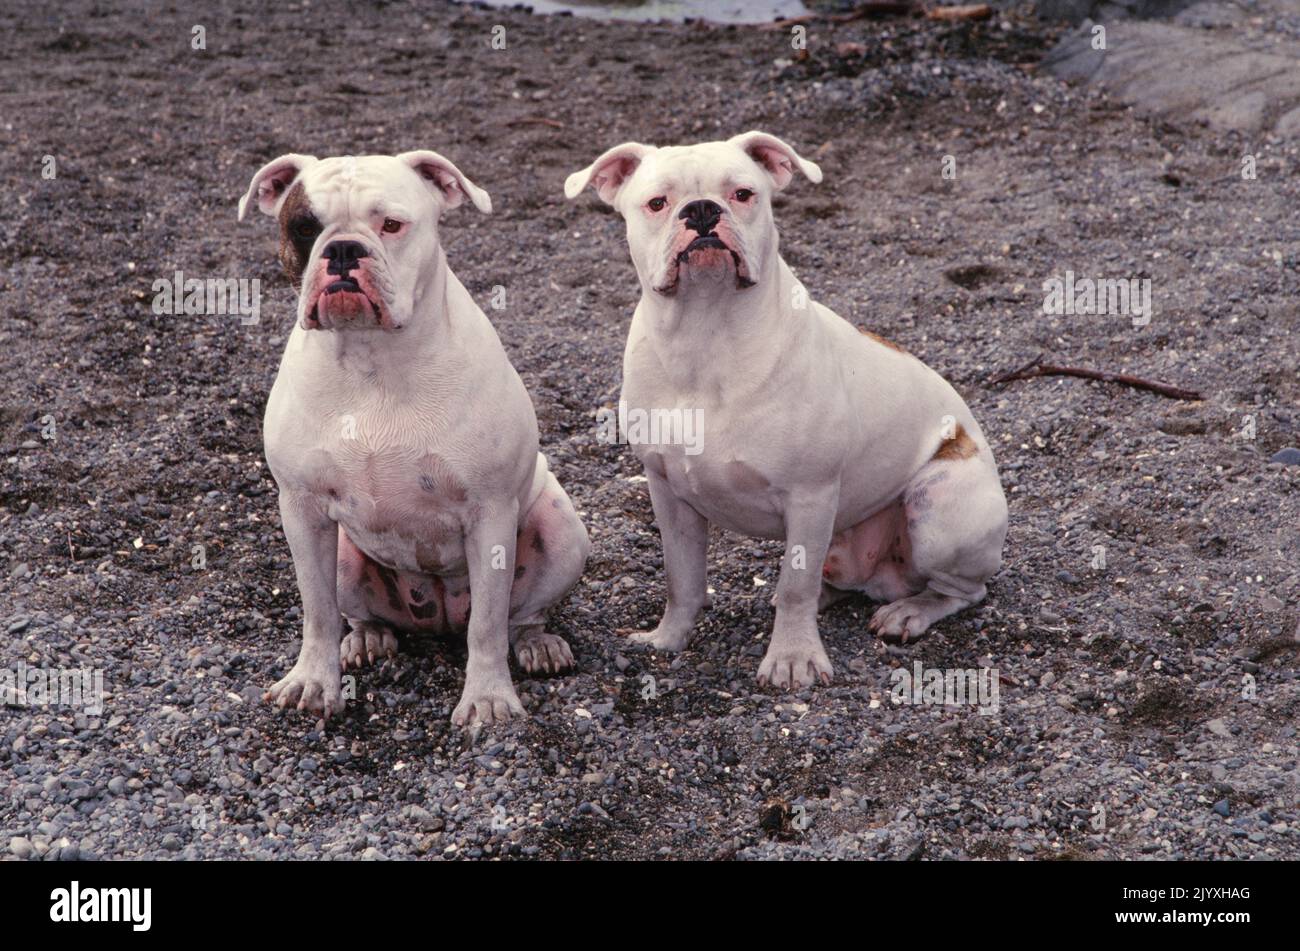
x=490, y=550
x=315, y=682
x=685, y=535
x=796, y=658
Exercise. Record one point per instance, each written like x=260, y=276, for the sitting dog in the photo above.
x=865, y=461
x=402, y=440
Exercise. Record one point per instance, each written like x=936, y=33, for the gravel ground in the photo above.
x=1147, y=708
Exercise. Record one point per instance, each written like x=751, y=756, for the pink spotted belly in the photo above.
x=406, y=600
x=425, y=602
x=874, y=556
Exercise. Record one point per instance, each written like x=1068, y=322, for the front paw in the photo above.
x=794, y=665
x=312, y=686
x=662, y=638
x=487, y=700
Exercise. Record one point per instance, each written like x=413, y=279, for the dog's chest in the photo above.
x=403, y=505
x=405, y=514
x=710, y=454
x=732, y=490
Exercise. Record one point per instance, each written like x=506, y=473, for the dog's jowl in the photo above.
x=403, y=442
x=864, y=460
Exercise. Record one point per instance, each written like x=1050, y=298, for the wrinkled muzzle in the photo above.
x=346, y=293
x=717, y=254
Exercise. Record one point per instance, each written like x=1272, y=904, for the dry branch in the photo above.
x=1036, y=367
x=971, y=11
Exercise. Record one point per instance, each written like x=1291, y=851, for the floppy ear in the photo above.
x=272, y=181
x=450, y=182
x=609, y=172
x=779, y=159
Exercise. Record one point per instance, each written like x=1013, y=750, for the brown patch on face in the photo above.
x=298, y=232
x=960, y=446
x=881, y=340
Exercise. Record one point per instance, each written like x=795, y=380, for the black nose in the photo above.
x=344, y=256
x=701, y=215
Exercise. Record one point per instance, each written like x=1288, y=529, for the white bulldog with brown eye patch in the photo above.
x=412, y=491
x=862, y=459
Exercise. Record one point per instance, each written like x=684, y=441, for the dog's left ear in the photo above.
x=450, y=181
x=779, y=159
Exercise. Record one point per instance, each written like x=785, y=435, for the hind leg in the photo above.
x=956, y=523
x=379, y=602
x=538, y=652
x=549, y=557
x=363, y=600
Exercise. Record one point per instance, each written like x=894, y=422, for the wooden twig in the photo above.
x=972, y=11
x=1036, y=367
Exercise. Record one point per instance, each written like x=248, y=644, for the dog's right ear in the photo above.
x=272, y=181
x=609, y=172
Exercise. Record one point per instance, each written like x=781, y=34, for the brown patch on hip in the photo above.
x=960, y=446
x=881, y=340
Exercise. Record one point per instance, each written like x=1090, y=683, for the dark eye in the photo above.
x=392, y=226
x=744, y=194
x=657, y=204
x=306, y=229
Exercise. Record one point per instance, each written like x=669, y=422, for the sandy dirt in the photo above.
x=1147, y=708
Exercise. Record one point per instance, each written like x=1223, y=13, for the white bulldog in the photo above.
x=403, y=442
x=865, y=461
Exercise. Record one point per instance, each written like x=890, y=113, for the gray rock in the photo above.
x=1108, y=10
x=1219, y=728
x=1184, y=73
